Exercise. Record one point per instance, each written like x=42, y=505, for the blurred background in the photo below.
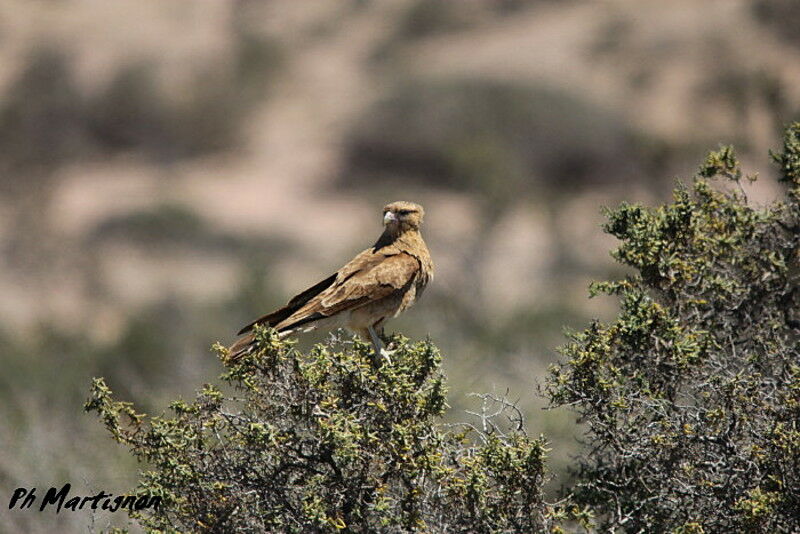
x=171, y=170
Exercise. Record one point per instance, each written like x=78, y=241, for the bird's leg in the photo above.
x=376, y=342
x=381, y=335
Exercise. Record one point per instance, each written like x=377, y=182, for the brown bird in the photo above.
x=377, y=284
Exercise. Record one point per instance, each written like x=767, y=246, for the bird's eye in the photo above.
x=405, y=212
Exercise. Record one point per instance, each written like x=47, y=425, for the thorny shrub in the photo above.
x=692, y=395
x=329, y=441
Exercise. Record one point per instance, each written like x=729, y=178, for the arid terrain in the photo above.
x=170, y=170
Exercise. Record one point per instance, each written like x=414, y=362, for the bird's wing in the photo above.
x=295, y=304
x=369, y=277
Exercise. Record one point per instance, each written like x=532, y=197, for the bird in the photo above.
x=377, y=284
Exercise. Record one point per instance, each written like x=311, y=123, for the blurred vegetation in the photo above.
x=41, y=117
x=429, y=17
x=495, y=140
x=426, y=18
x=47, y=120
x=782, y=16
x=132, y=114
x=169, y=226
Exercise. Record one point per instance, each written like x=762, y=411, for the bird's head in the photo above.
x=401, y=216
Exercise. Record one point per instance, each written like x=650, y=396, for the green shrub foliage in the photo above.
x=326, y=442
x=691, y=396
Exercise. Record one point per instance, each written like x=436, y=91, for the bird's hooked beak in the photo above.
x=389, y=217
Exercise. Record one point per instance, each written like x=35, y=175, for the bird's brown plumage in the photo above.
x=377, y=284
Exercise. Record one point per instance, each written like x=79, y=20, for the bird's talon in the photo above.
x=386, y=355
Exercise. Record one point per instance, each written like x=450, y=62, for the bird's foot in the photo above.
x=387, y=355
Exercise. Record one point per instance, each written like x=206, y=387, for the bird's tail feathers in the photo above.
x=278, y=316
x=244, y=345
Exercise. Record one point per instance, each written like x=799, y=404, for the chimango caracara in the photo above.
x=377, y=284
